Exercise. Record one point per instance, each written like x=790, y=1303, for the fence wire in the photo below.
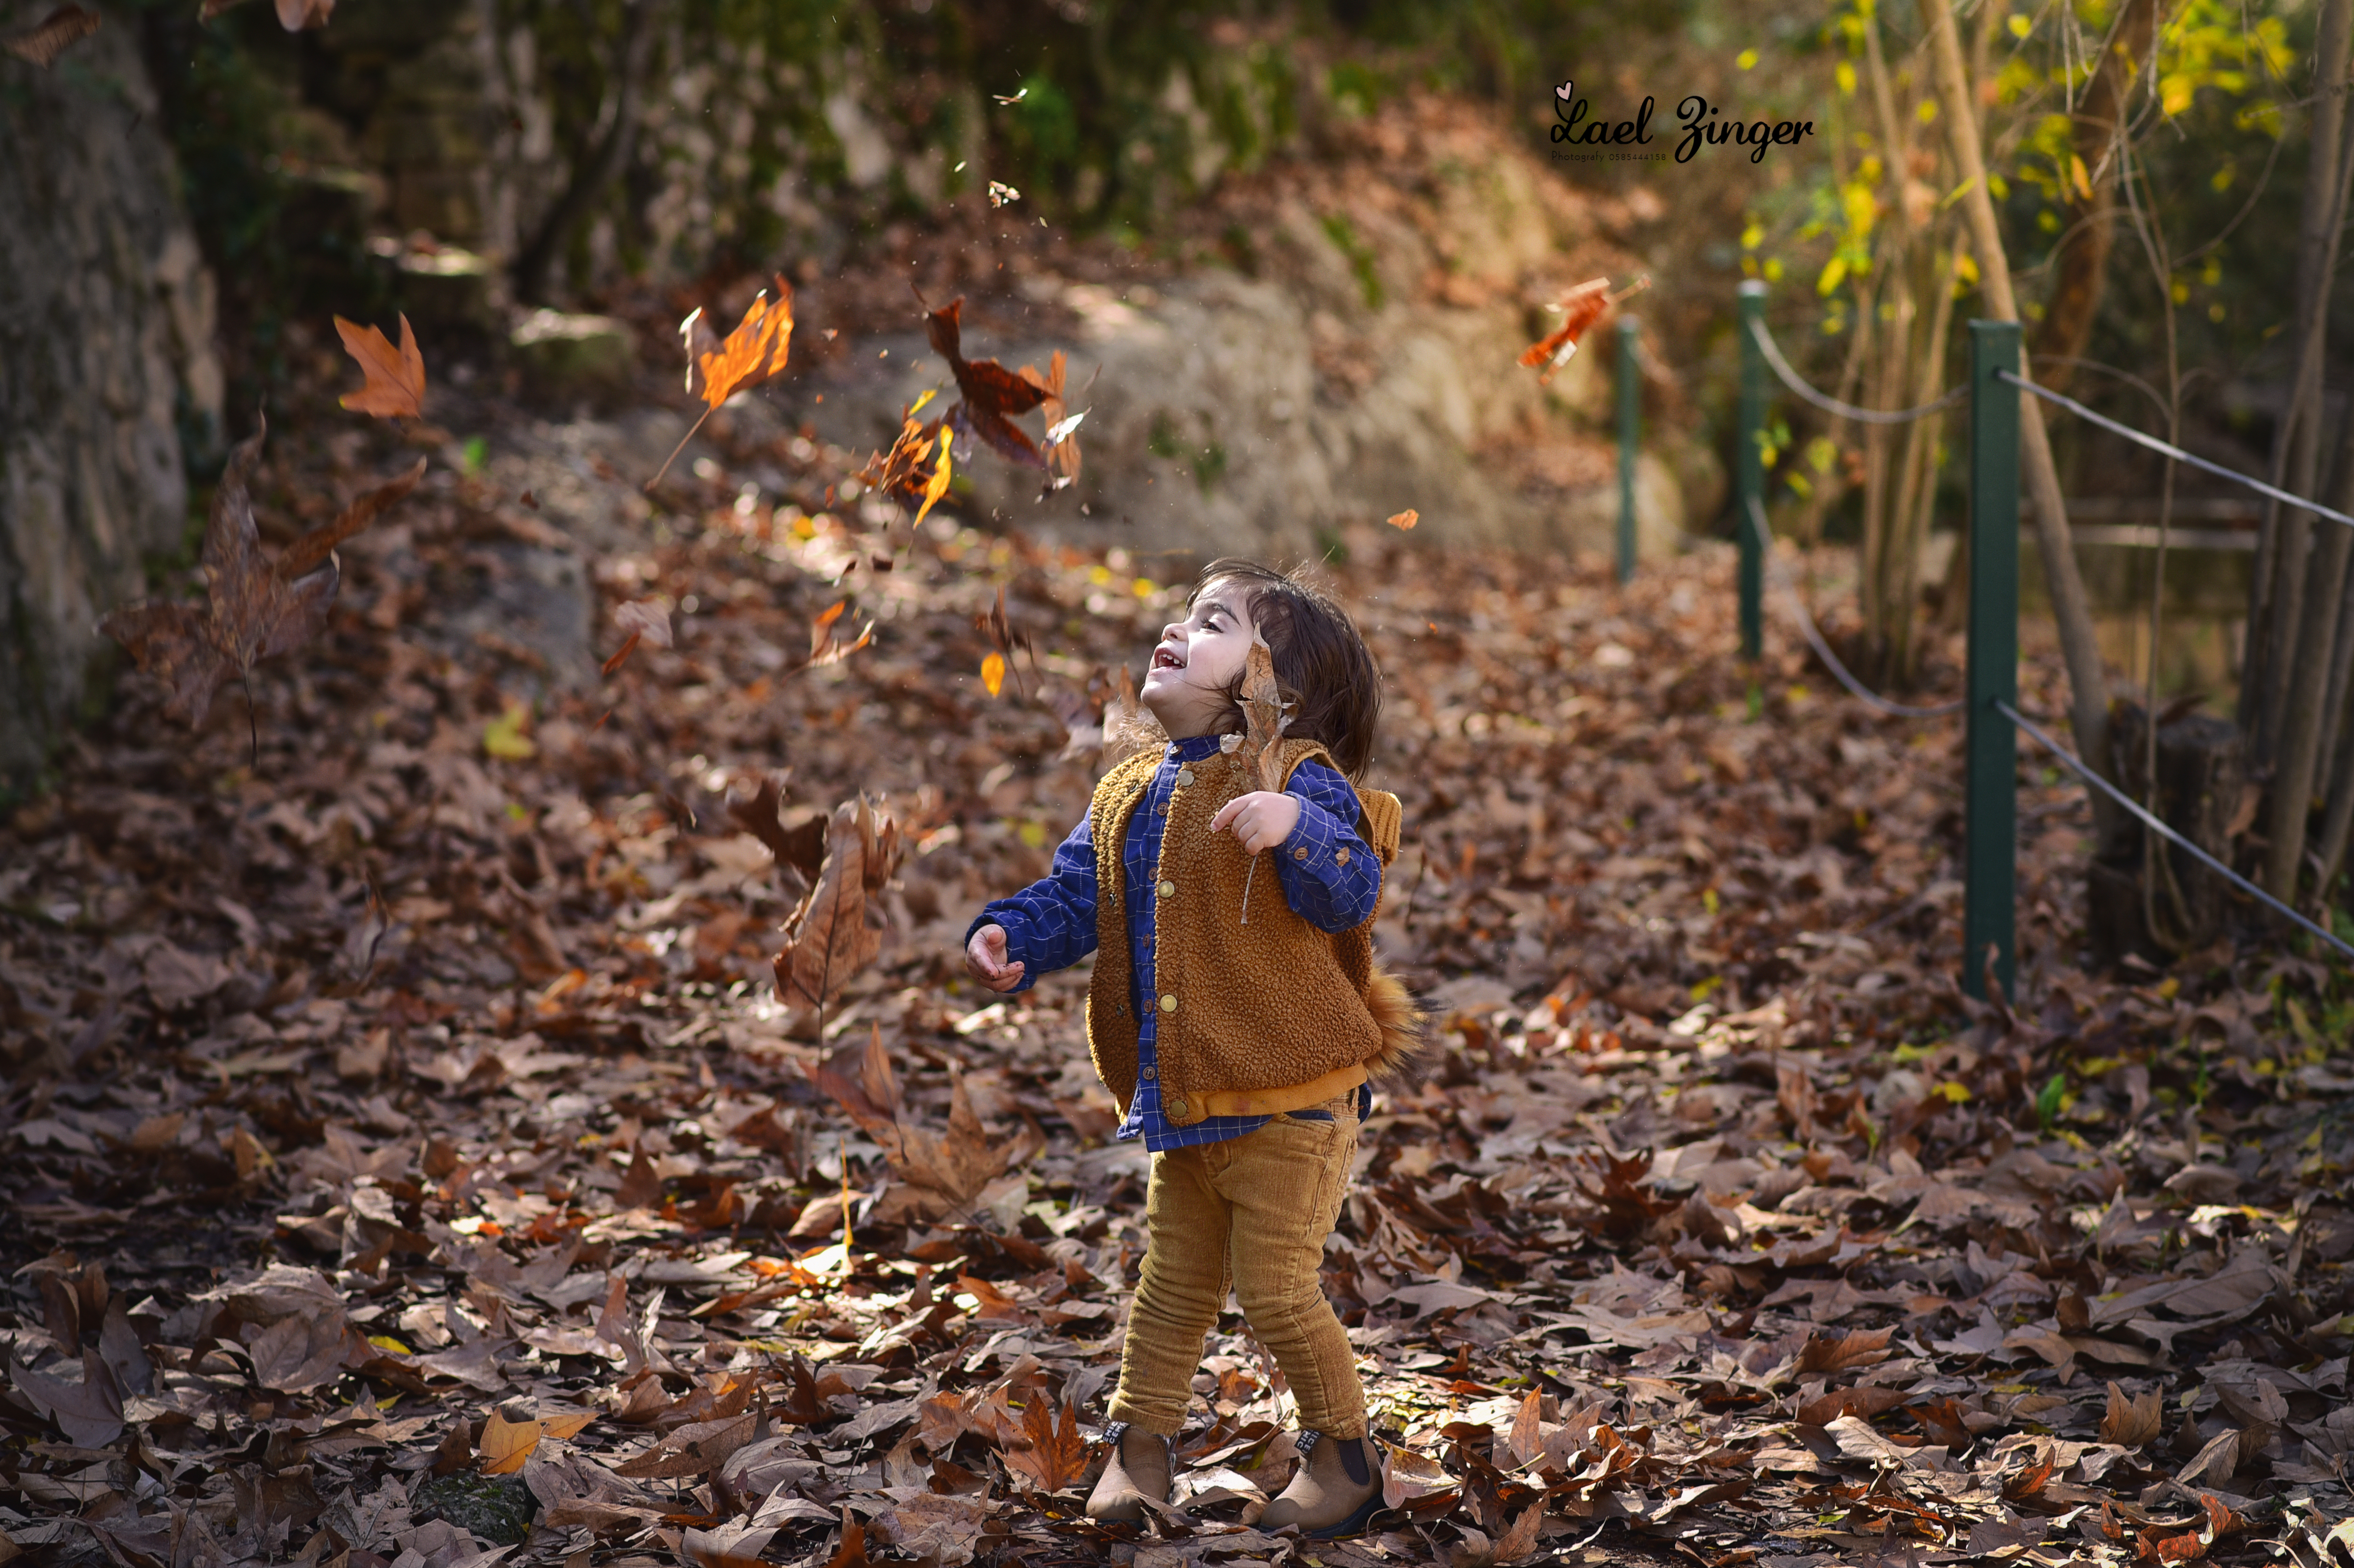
x=2154, y=824
x=1831, y=405
x=2169, y=449
x=1816, y=641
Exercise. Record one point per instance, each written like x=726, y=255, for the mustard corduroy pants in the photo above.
x=1247, y=1214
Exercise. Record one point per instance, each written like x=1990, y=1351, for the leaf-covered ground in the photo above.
x=409, y=1162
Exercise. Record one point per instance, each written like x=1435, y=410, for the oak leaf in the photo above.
x=693, y=1450
x=56, y=33
x=1052, y=1453
x=393, y=380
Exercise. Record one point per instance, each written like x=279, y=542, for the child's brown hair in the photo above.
x=1321, y=663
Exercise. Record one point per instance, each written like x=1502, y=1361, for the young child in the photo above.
x=1239, y=1051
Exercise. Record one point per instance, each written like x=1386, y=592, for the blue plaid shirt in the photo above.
x=1051, y=924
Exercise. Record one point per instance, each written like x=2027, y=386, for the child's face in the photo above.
x=1198, y=660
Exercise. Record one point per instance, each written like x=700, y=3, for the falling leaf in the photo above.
x=2130, y=1423
x=393, y=384
x=938, y=485
x=1062, y=448
x=309, y=553
x=754, y=353
x=53, y=35
x=1579, y=308
x=253, y=612
x=1015, y=97
x=646, y=621
x=992, y=393
x=827, y=939
x=826, y=647
x=717, y=368
x=1405, y=519
x=1052, y=1453
x=1001, y=194
x=992, y=671
x=297, y=16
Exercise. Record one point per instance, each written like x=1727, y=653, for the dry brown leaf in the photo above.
x=1053, y=1452
x=313, y=550
x=692, y=1450
x=507, y=1443
x=393, y=384
x=1868, y=1400
x=829, y=939
x=52, y=36
x=1405, y=519
x=1845, y=1352
x=2130, y=1423
x=252, y=612
x=1264, y=716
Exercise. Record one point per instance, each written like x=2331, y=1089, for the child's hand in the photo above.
x=1261, y=820
x=984, y=959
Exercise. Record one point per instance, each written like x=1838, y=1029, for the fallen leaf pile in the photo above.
x=411, y=1158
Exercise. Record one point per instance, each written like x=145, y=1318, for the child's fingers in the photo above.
x=1227, y=813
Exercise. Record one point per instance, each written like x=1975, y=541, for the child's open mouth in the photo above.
x=1167, y=658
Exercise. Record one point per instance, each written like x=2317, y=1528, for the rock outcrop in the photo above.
x=106, y=372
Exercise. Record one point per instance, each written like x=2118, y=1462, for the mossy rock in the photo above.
x=497, y=1508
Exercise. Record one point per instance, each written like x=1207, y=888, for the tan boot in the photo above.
x=1336, y=1489
x=1135, y=1471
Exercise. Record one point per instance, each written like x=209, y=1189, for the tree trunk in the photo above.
x=2197, y=787
x=2308, y=677
x=600, y=166
x=2088, y=687
x=2275, y=595
x=106, y=362
x=2081, y=262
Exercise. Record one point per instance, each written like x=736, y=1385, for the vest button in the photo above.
x=1151, y=1073
x=1300, y=854
x=1177, y=1107
x=1341, y=856
x=1168, y=889
x=1184, y=776
x=1167, y=1002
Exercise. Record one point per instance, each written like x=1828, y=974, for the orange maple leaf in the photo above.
x=717, y=368
x=1579, y=308
x=394, y=387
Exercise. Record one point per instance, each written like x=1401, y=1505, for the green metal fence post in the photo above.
x=1749, y=470
x=1630, y=432
x=1990, y=812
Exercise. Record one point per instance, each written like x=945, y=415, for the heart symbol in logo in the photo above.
x=1562, y=91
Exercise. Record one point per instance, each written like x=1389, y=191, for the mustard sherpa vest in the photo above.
x=1272, y=1016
